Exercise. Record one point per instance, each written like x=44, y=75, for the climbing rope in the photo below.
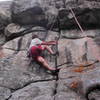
x=76, y=20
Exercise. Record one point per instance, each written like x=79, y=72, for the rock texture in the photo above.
x=5, y=19
x=75, y=80
x=5, y=93
x=76, y=53
x=28, y=12
x=45, y=13
x=2, y=39
x=87, y=13
x=36, y=91
x=5, y=14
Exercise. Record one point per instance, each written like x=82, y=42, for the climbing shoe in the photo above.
x=55, y=72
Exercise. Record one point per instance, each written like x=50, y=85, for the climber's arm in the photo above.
x=49, y=49
x=49, y=43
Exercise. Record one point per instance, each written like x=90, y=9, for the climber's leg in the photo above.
x=44, y=62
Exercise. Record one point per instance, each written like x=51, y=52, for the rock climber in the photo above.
x=35, y=50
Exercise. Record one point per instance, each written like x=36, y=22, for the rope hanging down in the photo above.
x=76, y=20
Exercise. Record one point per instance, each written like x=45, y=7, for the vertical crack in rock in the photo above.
x=68, y=56
x=84, y=57
x=57, y=73
x=19, y=44
x=56, y=64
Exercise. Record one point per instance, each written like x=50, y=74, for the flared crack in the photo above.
x=22, y=33
x=9, y=97
x=56, y=64
x=30, y=82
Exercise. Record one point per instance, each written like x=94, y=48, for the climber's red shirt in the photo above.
x=36, y=51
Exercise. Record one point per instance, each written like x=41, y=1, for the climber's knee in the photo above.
x=41, y=59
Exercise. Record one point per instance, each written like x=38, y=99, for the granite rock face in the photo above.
x=75, y=80
x=87, y=12
x=36, y=91
x=5, y=19
x=5, y=93
x=28, y=12
x=77, y=58
x=45, y=13
x=5, y=14
x=76, y=53
x=41, y=12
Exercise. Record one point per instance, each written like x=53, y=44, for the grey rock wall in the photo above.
x=77, y=53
